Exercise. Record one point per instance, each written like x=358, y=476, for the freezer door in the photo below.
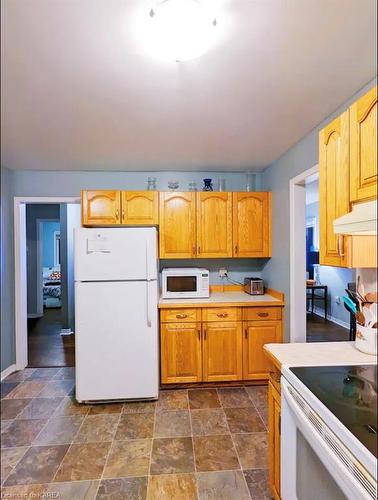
x=112, y=254
x=116, y=341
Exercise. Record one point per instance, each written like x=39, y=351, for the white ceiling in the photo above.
x=79, y=91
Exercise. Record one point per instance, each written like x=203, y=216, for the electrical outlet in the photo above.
x=337, y=299
x=222, y=272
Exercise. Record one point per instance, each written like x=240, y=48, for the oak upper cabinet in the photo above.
x=180, y=346
x=363, y=147
x=140, y=208
x=101, y=208
x=256, y=365
x=214, y=224
x=333, y=188
x=177, y=225
x=252, y=224
x=222, y=351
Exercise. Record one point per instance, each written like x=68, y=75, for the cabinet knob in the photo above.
x=117, y=214
x=246, y=333
x=236, y=248
x=194, y=250
x=262, y=315
x=222, y=315
x=199, y=334
x=199, y=250
x=204, y=334
x=181, y=316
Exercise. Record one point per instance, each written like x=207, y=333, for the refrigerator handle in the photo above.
x=147, y=263
x=149, y=323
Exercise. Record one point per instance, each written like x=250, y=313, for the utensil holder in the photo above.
x=366, y=339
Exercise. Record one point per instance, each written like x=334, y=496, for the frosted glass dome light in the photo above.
x=179, y=30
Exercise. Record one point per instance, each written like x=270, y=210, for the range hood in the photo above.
x=362, y=220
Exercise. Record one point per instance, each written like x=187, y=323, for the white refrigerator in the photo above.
x=116, y=316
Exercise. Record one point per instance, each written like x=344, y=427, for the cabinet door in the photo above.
x=256, y=364
x=140, y=208
x=180, y=352
x=363, y=147
x=214, y=224
x=333, y=188
x=252, y=224
x=177, y=228
x=274, y=440
x=222, y=351
x=100, y=208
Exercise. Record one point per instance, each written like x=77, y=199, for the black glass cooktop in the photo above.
x=350, y=393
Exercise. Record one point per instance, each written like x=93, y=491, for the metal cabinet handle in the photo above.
x=199, y=333
x=263, y=315
x=199, y=250
x=117, y=213
x=236, y=248
x=194, y=250
x=204, y=334
x=340, y=245
x=246, y=333
x=123, y=213
x=181, y=316
x=222, y=315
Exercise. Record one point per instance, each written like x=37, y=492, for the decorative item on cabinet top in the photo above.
x=206, y=224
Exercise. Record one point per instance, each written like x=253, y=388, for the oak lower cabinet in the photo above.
x=256, y=366
x=180, y=345
x=222, y=351
x=274, y=438
x=100, y=208
x=213, y=344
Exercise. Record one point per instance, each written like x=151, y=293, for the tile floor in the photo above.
x=206, y=444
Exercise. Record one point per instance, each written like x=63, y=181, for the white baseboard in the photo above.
x=8, y=371
x=320, y=312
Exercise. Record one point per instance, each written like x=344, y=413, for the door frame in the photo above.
x=298, y=255
x=20, y=274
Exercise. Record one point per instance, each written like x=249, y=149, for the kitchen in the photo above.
x=186, y=383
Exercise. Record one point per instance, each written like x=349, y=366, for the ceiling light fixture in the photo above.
x=180, y=30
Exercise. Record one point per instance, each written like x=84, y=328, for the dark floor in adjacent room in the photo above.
x=46, y=346
x=320, y=330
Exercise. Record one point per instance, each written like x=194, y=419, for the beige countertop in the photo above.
x=317, y=354
x=231, y=299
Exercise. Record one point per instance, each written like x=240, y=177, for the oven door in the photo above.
x=314, y=463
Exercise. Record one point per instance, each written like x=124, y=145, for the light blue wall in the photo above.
x=61, y=183
x=276, y=178
x=7, y=271
x=48, y=230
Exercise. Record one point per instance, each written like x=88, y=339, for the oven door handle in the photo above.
x=318, y=436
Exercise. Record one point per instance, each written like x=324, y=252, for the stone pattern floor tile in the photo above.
x=37, y=466
x=128, y=458
x=172, y=455
x=172, y=486
x=126, y=488
x=226, y=485
x=258, y=485
x=215, y=453
x=190, y=444
x=174, y=423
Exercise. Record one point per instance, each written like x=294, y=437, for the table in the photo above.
x=312, y=296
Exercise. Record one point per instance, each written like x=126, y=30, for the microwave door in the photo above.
x=185, y=284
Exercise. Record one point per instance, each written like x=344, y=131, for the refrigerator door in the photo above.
x=116, y=341
x=115, y=254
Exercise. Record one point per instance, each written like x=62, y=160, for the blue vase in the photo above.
x=207, y=185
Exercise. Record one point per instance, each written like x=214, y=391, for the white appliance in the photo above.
x=362, y=220
x=185, y=283
x=116, y=317
x=320, y=457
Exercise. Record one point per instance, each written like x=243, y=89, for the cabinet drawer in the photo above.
x=221, y=314
x=180, y=315
x=261, y=313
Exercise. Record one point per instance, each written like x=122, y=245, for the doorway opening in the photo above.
x=326, y=318
x=44, y=281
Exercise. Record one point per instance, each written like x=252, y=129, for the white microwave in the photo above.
x=185, y=283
